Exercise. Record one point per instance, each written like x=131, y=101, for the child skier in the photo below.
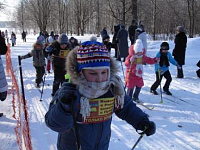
x=87, y=103
x=59, y=51
x=38, y=61
x=134, y=71
x=162, y=69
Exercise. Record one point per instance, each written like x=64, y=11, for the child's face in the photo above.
x=38, y=46
x=95, y=75
x=63, y=46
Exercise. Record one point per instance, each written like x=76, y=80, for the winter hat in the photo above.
x=93, y=56
x=106, y=37
x=164, y=46
x=180, y=29
x=93, y=38
x=140, y=28
x=138, y=46
x=63, y=39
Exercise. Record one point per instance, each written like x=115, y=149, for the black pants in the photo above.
x=3, y=96
x=136, y=93
x=39, y=74
x=180, y=72
x=59, y=78
x=168, y=78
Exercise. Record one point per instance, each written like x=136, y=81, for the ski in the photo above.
x=182, y=100
x=147, y=107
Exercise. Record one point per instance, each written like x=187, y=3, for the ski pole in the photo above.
x=161, y=101
x=43, y=86
x=128, y=74
x=141, y=136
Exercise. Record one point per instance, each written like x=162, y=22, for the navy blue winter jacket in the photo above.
x=92, y=136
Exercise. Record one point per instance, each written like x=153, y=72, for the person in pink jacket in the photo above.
x=134, y=68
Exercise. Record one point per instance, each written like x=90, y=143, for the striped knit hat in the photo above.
x=91, y=56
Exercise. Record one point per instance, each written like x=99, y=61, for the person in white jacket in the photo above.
x=141, y=34
x=3, y=81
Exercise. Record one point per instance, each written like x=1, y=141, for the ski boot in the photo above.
x=37, y=85
x=154, y=92
x=1, y=114
x=167, y=92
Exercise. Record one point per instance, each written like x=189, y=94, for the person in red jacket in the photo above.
x=134, y=71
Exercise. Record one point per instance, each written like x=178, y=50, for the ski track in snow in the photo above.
x=178, y=123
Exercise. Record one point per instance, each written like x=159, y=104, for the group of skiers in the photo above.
x=81, y=110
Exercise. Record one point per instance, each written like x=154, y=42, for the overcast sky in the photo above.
x=10, y=5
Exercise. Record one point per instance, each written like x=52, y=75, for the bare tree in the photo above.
x=21, y=15
x=2, y=5
x=40, y=12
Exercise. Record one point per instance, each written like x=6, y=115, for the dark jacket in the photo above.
x=73, y=44
x=58, y=55
x=123, y=42
x=180, y=48
x=131, y=32
x=3, y=47
x=116, y=30
x=92, y=136
x=104, y=33
x=3, y=81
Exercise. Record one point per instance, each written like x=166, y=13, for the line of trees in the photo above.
x=160, y=17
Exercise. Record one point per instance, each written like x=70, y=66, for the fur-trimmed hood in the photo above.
x=72, y=67
x=34, y=45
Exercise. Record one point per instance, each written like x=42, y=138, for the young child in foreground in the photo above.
x=88, y=102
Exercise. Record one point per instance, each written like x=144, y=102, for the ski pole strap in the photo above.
x=143, y=132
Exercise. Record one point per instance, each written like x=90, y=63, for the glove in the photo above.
x=148, y=127
x=179, y=67
x=157, y=59
x=132, y=59
x=67, y=93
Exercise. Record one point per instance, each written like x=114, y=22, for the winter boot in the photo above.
x=167, y=92
x=136, y=100
x=37, y=85
x=1, y=114
x=154, y=92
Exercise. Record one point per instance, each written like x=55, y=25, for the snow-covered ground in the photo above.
x=177, y=119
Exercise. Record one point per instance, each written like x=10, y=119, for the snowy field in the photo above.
x=177, y=119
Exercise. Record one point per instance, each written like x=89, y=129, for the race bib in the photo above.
x=101, y=110
x=138, y=60
x=63, y=53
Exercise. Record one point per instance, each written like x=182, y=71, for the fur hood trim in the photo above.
x=72, y=66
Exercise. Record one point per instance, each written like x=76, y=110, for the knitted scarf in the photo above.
x=139, y=66
x=90, y=90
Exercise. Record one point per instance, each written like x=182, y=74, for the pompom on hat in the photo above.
x=138, y=46
x=93, y=56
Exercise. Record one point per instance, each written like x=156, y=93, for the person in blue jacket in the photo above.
x=81, y=110
x=162, y=69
